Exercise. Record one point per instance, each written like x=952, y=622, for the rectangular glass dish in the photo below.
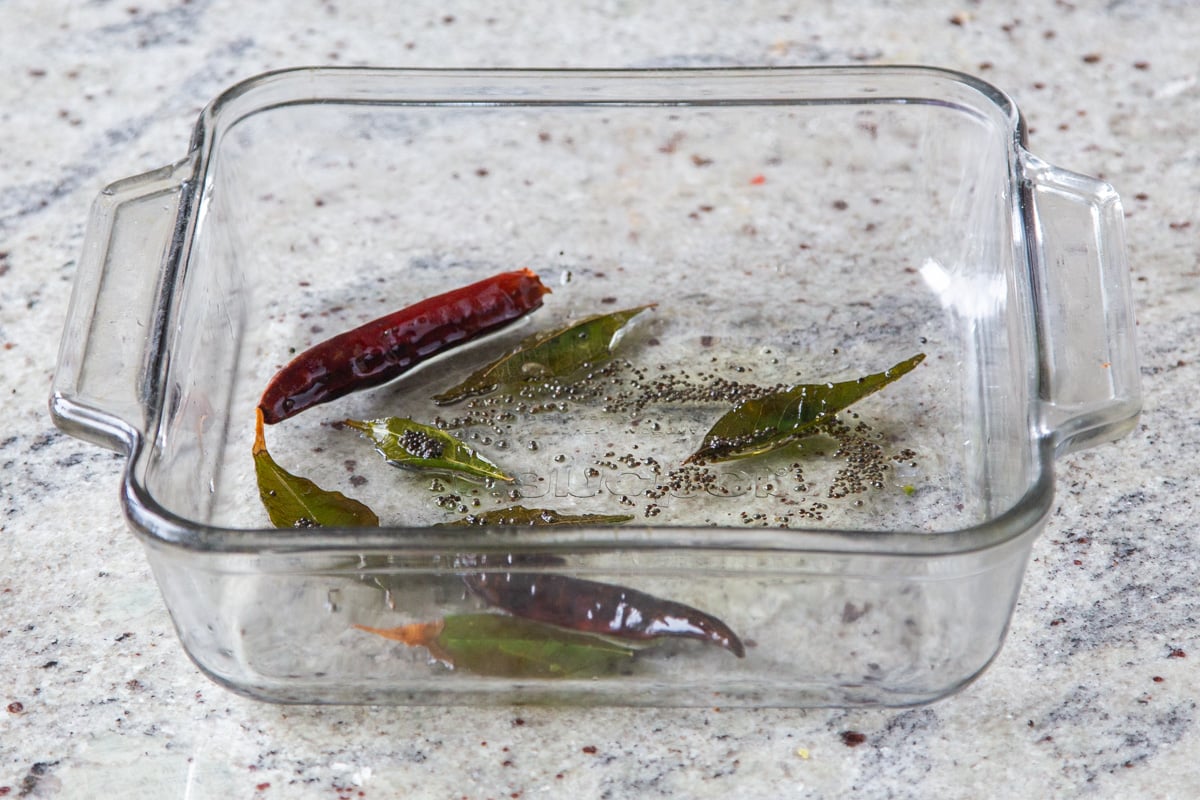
x=791, y=226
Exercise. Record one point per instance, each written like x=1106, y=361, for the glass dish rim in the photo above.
x=157, y=524
x=312, y=77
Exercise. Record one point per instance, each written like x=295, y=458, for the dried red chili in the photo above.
x=387, y=347
x=593, y=607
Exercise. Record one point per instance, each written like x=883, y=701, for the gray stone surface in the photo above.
x=1094, y=694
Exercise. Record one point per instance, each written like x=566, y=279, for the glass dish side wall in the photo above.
x=875, y=231
x=821, y=629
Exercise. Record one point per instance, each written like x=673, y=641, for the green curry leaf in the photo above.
x=413, y=445
x=295, y=502
x=551, y=354
x=511, y=647
x=760, y=425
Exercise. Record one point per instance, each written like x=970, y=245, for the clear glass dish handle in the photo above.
x=100, y=387
x=1091, y=384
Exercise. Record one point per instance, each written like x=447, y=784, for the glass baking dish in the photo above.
x=791, y=226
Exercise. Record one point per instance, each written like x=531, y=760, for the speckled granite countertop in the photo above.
x=1093, y=695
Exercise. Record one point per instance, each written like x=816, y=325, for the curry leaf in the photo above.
x=412, y=445
x=519, y=515
x=511, y=647
x=295, y=502
x=551, y=354
x=760, y=425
